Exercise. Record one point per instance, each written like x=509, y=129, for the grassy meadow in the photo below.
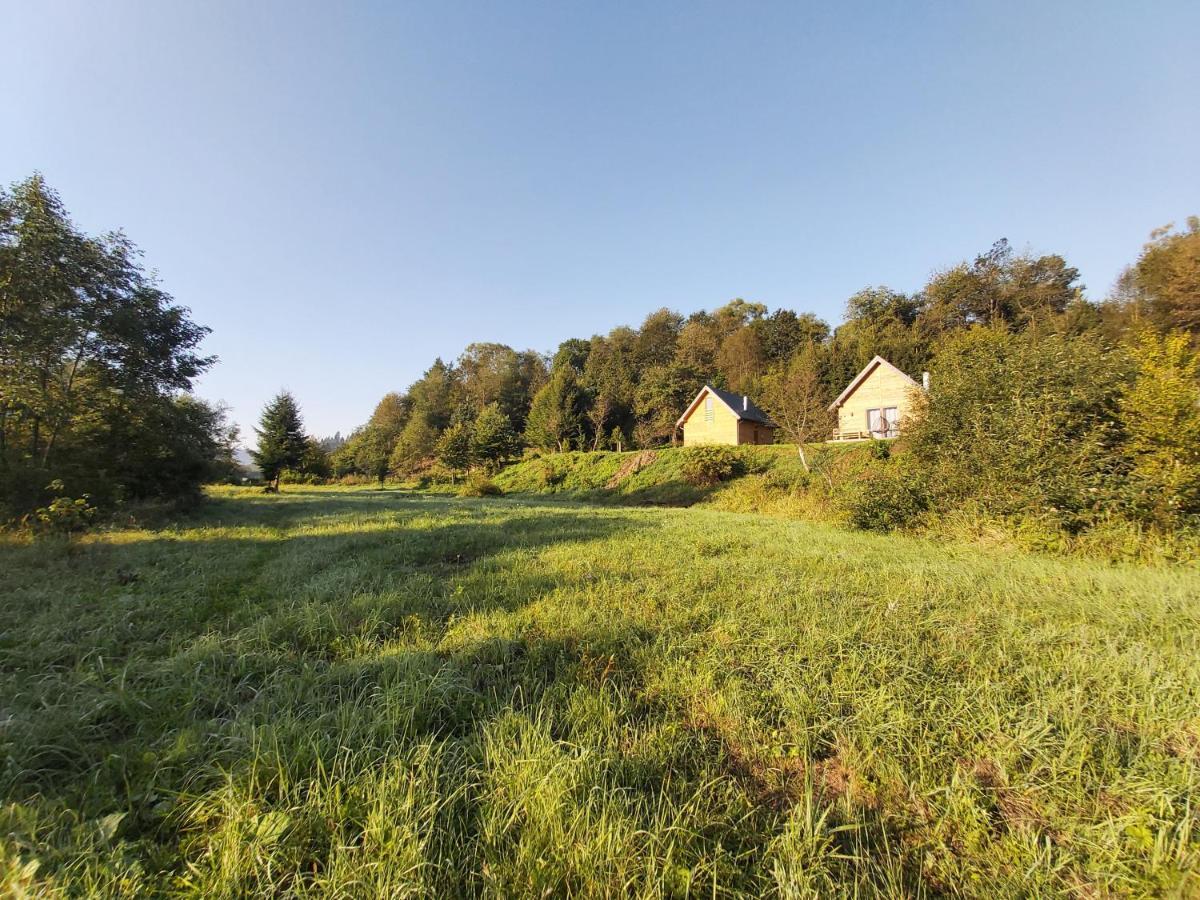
x=384, y=693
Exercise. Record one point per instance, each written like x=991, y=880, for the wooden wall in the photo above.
x=882, y=388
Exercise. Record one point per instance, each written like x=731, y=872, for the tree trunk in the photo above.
x=803, y=458
x=61, y=418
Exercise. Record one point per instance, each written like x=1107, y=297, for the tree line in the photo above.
x=625, y=389
x=1081, y=404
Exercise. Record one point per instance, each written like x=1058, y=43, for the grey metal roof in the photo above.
x=747, y=411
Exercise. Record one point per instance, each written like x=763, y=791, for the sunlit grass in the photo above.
x=382, y=693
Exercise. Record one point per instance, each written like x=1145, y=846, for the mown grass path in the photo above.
x=379, y=693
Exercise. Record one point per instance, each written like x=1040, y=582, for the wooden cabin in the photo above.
x=719, y=417
x=875, y=403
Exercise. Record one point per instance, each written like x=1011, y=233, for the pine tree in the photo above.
x=282, y=442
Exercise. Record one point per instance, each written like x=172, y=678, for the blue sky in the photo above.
x=343, y=192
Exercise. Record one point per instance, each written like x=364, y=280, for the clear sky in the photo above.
x=343, y=192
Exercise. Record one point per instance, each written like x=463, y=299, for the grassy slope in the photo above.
x=379, y=693
x=599, y=476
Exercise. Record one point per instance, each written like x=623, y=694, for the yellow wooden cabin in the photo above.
x=719, y=417
x=876, y=402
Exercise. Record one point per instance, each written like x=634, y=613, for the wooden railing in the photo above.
x=864, y=435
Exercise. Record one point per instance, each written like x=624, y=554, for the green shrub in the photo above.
x=889, y=498
x=790, y=480
x=1160, y=416
x=479, y=485
x=1022, y=425
x=706, y=466
x=63, y=515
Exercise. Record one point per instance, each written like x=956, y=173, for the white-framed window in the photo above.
x=708, y=408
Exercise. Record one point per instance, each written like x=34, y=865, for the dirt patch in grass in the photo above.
x=779, y=780
x=1184, y=743
x=631, y=466
x=1015, y=810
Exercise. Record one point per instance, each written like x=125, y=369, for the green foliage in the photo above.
x=1021, y=423
x=891, y=497
x=549, y=475
x=555, y=421
x=62, y=515
x=706, y=466
x=492, y=373
x=95, y=364
x=453, y=448
x=999, y=289
x=369, y=449
x=493, y=440
x=1164, y=285
x=282, y=443
x=1160, y=412
x=798, y=402
x=479, y=485
x=662, y=395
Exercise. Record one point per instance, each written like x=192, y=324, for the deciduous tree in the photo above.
x=555, y=421
x=492, y=438
x=797, y=400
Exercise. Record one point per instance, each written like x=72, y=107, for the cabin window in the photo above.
x=884, y=422
x=708, y=409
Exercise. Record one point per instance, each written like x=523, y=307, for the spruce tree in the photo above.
x=282, y=442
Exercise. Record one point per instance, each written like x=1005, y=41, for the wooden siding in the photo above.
x=724, y=429
x=884, y=387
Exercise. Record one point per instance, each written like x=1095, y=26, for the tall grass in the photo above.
x=380, y=693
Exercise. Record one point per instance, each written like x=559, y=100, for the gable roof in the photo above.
x=862, y=376
x=741, y=406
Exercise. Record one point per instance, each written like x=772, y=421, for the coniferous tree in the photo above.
x=282, y=443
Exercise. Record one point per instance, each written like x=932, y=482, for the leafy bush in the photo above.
x=706, y=466
x=479, y=485
x=786, y=479
x=890, y=498
x=294, y=477
x=1160, y=415
x=63, y=515
x=1022, y=424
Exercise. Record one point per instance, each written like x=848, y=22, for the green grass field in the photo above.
x=388, y=694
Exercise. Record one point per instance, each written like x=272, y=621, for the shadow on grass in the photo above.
x=111, y=648
x=185, y=665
